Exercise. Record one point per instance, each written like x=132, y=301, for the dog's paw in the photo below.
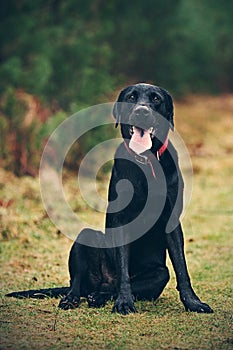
x=198, y=307
x=69, y=302
x=194, y=304
x=96, y=300
x=124, y=305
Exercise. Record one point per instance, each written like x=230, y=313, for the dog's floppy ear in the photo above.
x=117, y=107
x=116, y=113
x=169, y=108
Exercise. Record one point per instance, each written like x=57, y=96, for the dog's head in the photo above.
x=144, y=109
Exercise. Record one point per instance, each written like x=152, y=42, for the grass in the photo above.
x=34, y=254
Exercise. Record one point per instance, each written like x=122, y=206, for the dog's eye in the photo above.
x=132, y=98
x=156, y=98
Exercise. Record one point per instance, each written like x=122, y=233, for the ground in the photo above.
x=34, y=254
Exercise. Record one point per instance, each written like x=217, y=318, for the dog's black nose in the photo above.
x=142, y=110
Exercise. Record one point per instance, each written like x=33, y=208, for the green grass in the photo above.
x=34, y=255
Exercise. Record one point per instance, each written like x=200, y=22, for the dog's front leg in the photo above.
x=190, y=300
x=124, y=303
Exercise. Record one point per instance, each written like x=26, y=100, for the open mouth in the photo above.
x=136, y=129
x=141, y=139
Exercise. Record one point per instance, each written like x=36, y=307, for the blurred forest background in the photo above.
x=58, y=57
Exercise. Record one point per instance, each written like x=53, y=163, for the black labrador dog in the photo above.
x=128, y=262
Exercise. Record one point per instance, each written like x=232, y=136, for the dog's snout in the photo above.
x=142, y=110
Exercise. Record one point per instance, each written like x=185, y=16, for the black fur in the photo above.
x=135, y=269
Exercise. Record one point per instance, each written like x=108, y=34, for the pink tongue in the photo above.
x=138, y=143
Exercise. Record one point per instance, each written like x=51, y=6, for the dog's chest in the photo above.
x=148, y=251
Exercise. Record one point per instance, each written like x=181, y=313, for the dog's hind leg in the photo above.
x=77, y=267
x=84, y=267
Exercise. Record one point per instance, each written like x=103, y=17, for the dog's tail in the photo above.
x=40, y=293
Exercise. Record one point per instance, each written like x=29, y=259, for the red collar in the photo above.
x=162, y=148
x=147, y=160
